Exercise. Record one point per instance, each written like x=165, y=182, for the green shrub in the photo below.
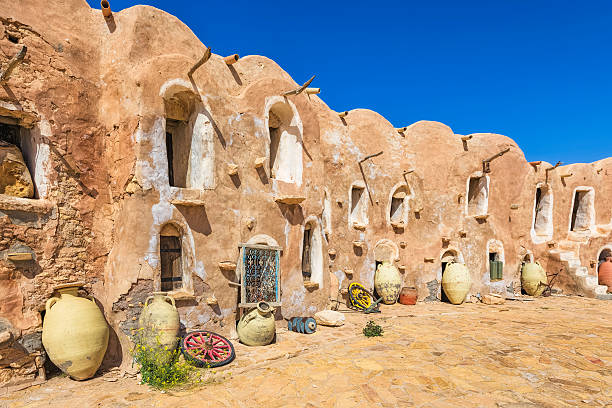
x=161, y=367
x=372, y=329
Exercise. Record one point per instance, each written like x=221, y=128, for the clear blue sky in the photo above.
x=537, y=71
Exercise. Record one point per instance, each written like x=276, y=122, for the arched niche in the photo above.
x=582, y=217
x=326, y=215
x=495, y=257
x=527, y=258
x=312, y=252
x=542, y=221
x=399, y=205
x=189, y=138
x=386, y=250
x=477, y=193
x=358, y=204
x=262, y=239
x=285, y=132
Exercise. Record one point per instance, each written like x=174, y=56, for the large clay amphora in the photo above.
x=605, y=273
x=75, y=334
x=533, y=279
x=456, y=282
x=159, y=321
x=257, y=328
x=387, y=282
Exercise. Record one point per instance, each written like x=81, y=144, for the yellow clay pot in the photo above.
x=159, y=321
x=533, y=279
x=387, y=282
x=257, y=328
x=456, y=282
x=75, y=334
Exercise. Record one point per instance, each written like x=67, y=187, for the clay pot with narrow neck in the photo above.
x=387, y=282
x=159, y=321
x=605, y=273
x=408, y=295
x=533, y=279
x=456, y=282
x=257, y=328
x=75, y=333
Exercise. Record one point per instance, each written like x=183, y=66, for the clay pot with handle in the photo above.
x=387, y=282
x=456, y=282
x=257, y=327
x=75, y=333
x=533, y=279
x=159, y=321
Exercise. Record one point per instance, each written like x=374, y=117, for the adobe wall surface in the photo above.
x=96, y=96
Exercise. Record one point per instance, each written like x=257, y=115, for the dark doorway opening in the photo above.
x=443, y=297
x=170, y=156
x=306, y=251
x=171, y=263
x=495, y=266
x=374, y=292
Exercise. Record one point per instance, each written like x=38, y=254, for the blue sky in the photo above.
x=537, y=71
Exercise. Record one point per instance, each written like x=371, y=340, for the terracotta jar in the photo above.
x=408, y=296
x=605, y=273
x=257, y=328
x=159, y=321
x=456, y=282
x=75, y=333
x=533, y=279
x=387, y=282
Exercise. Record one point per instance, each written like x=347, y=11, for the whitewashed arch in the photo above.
x=287, y=163
x=197, y=131
x=585, y=217
x=477, y=198
x=399, y=215
x=494, y=245
x=358, y=205
x=386, y=250
x=188, y=260
x=316, y=250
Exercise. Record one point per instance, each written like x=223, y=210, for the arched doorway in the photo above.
x=447, y=256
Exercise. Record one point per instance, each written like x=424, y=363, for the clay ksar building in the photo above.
x=134, y=164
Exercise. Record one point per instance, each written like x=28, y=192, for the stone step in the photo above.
x=562, y=254
x=590, y=282
x=568, y=256
x=601, y=290
x=579, y=270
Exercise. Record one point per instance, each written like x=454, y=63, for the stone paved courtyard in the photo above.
x=550, y=352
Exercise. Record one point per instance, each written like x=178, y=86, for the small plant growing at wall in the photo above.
x=372, y=329
x=160, y=366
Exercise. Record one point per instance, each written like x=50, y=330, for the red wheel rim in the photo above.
x=207, y=347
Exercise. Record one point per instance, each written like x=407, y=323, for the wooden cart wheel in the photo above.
x=359, y=297
x=207, y=349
